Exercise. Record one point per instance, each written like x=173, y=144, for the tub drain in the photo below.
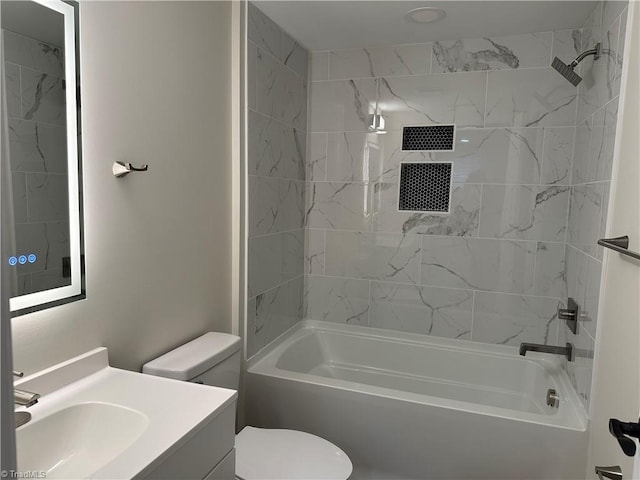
x=553, y=399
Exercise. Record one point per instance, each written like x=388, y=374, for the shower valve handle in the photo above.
x=622, y=431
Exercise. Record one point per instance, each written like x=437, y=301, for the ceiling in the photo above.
x=325, y=25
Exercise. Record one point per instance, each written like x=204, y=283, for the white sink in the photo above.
x=78, y=440
x=95, y=421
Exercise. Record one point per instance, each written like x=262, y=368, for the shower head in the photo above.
x=566, y=71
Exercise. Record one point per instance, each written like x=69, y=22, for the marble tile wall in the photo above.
x=591, y=178
x=37, y=145
x=493, y=269
x=277, y=138
x=498, y=266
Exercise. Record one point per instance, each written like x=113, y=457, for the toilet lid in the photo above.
x=268, y=454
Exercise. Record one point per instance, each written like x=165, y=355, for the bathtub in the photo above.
x=405, y=406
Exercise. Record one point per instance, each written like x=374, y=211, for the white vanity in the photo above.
x=95, y=421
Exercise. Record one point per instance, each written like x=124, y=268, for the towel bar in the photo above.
x=619, y=244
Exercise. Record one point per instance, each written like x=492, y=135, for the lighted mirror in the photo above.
x=41, y=153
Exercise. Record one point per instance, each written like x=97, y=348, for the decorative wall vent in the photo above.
x=425, y=187
x=434, y=138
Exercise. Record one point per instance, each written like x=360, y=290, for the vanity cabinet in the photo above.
x=207, y=454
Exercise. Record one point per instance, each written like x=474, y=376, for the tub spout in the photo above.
x=536, y=347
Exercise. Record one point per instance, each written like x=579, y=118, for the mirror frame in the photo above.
x=31, y=302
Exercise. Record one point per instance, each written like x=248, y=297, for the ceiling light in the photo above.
x=426, y=15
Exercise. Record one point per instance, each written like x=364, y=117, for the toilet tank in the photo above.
x=212, y=359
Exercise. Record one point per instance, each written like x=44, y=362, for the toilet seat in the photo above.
x=269, y=454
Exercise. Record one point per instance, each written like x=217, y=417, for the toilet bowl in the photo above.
x=261, y=453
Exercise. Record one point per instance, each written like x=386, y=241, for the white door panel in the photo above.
x=616, y=388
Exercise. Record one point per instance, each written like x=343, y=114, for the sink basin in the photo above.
x=96, y=421
x=78, y=440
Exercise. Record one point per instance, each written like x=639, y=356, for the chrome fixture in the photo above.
x=570, y=315
x=377, y=124
x=20, y=418
x=377, y=120
x=553, y=399
x=536, y=347
x=21, y=397
x=26, y=399
x=120, y=169
x=567, y=70
x=619, y=244
x=614, y=472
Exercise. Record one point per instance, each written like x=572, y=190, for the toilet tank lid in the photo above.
x=195, y=357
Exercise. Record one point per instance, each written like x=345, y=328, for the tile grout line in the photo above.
x=486, y=101
x=432, y=75
x=326, y=157
x=535, y=262
x=542, y=153
x=425, y=235
x=369, y=306
x=437, y=287
x=473, y=313
x=20, y=91
x=324, y=252
x=480, y=209
x=553, y=41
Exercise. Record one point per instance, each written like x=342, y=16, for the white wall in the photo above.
x=616, y=389
x=155, y=89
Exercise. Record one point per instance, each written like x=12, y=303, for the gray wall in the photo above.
x=277, y=124
x=156, y=89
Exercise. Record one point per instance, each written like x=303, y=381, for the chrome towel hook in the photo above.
x=120, y=169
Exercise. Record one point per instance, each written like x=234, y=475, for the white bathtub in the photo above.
x=403, y=406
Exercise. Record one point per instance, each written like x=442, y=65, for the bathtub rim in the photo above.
x=571, y=415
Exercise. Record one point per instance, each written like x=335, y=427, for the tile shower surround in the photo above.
x=531, y=176
x=532, y=168
x=277, y=117
x=490, y=271
x=591, y=178
x=37, y=144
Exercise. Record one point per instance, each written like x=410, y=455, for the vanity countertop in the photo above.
x=156, y=417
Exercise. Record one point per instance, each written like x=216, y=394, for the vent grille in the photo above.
x=425, y=187
x=434, y=138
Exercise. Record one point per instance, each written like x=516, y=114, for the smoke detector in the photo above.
x=425, y=15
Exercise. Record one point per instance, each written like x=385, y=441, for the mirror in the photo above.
x=41, y=153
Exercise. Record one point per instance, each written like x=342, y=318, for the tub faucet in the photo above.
x=22, y=397
x=536, y=347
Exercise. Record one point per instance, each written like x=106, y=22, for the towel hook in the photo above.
x=120, y=169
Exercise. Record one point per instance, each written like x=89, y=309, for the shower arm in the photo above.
x=597, y=50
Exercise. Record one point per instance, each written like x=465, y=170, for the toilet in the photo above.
x=261, y=454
